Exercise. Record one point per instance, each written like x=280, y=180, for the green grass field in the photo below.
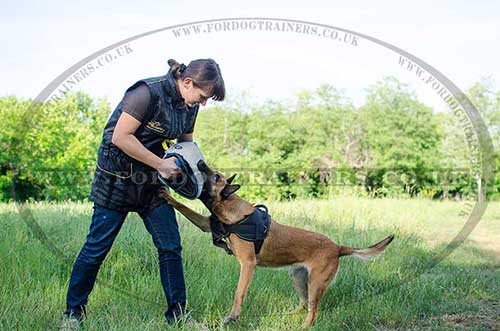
x=398, y=291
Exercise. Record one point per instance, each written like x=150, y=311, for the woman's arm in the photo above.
x=124, y=139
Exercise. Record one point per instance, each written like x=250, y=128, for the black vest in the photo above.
x=123, y=183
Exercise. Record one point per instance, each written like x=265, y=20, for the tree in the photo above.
x=487, y=101
x=401, y=139
x=50, y=149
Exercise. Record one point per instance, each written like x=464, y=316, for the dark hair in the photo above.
x=205, y=74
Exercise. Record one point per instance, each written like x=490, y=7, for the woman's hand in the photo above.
x=167, y=168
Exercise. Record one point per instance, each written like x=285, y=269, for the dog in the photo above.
x=313, y=258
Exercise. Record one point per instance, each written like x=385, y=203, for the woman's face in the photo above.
x=191, y=94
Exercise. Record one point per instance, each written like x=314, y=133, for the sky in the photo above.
x=41, y=40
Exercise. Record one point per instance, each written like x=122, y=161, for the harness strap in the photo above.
x=219, y=234
x=249, y=229
x=262, y=229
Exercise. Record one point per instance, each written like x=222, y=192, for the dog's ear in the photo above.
x=228, y=190
x=203, y=167
x=230, y=179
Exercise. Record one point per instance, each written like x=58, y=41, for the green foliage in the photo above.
x=313, y=146
x=487, y=102
x=49, y=149
x=401, y=138
x=321, y=141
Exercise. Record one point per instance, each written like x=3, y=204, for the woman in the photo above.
x=152, y=113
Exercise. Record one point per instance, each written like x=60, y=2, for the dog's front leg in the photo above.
x=244, y=252
x=202, y=222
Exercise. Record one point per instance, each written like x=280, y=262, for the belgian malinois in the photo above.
x=313, y=258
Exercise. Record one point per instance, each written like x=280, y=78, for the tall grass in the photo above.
x=399, y=290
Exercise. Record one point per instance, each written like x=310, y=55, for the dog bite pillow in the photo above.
x=190, y=182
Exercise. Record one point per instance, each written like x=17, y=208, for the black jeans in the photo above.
x=106, y=223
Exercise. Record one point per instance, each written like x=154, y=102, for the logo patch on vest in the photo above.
x=155, y=126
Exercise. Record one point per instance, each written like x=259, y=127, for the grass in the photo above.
x=398, y=291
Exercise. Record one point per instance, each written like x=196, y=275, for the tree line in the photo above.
x=314, y=145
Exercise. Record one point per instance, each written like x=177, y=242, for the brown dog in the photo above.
x=313, y=257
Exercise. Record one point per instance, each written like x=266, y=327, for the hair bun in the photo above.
x=177, y=69
x=172, y=62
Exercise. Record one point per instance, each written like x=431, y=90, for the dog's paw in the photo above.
x=230, y=319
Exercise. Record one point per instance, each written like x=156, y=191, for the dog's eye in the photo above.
x=216, y=177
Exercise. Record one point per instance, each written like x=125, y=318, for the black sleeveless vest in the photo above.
x=123, y=183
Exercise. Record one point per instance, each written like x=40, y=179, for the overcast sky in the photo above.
x=40, y=40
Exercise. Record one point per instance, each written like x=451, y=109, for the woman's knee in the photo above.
x=172, y=251
x=92, y=253
x=106, y=224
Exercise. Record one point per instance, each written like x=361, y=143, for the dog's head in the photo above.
x=216, y=187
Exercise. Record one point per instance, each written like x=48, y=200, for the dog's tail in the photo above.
x=366, y=253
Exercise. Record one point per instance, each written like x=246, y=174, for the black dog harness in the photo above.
x=254, y=227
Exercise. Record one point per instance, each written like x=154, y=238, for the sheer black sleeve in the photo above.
x=136, y=102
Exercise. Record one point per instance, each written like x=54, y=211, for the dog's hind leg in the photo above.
x=320, y=276
x=300, y=277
